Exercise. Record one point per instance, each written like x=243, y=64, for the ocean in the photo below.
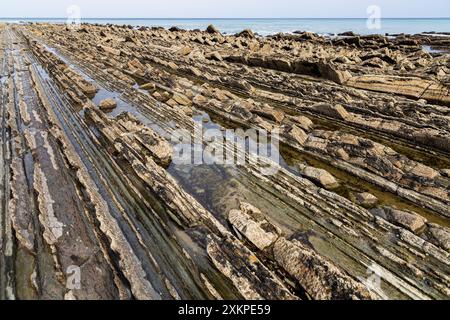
x=272, y=26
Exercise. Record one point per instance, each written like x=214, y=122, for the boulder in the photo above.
x=107, y=105
x=409, y=220
x=247, y=33
x=347, y=34
x=330, y=72
x=319, y=176
x=187, y=110
x=212, y=29
x=424, y=172
x=305, y=35
x=83, y=30
x=353, y=41
x=175, y=29
x=296, y=134
x=263, y=124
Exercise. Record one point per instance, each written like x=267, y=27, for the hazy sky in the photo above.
x=224, y=8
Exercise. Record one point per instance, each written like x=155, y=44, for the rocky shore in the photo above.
x=93, y=205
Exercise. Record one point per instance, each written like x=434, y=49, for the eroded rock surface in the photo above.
x=90, y=181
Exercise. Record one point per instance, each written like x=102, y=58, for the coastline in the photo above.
x=264, y=26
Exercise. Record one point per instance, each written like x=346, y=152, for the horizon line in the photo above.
x=224, y=18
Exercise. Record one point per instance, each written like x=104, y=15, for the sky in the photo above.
x=224, y=8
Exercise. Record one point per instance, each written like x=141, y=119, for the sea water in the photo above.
x=272, y=26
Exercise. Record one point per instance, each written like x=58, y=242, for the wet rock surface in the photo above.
x=91, y=185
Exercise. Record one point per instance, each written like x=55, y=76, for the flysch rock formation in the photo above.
x=93, y=205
